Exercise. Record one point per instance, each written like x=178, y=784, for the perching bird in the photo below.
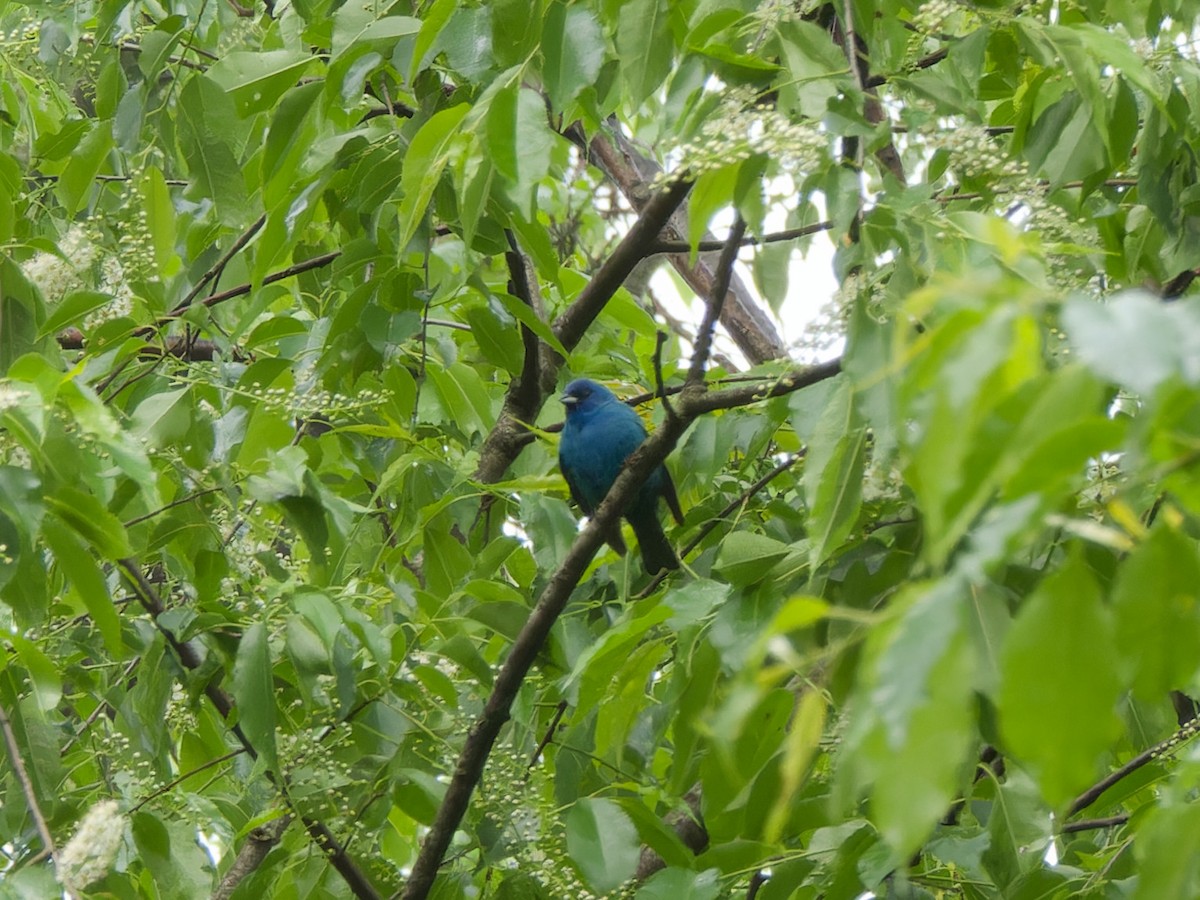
x=599, y=435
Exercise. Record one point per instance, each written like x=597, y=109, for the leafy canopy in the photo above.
x=286, y=293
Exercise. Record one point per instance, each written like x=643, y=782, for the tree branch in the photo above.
x=176, y=345
x=790, y=234
x=191, y=658
x=689, y=826
x=1092, y=824
x=712, y=310
x=747, y=324
x=255, y=848
x=693, y=402
x=215, y=271
x=1092, y=794
x=521, y=406
x=526, y=386
x=22, y=776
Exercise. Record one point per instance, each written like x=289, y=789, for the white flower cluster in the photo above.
x=112, y=282
x=741, y=127
x=10, y=396
x=316, y=401
x=81, y=265
x=89, y=855
x=56, y=276
x=975, y=153
x=418, y=658
x=933, y=15
x=828, y=325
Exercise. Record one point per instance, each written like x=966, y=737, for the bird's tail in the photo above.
x=657, y=553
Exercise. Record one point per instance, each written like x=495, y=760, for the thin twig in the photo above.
x=307, y=265
x=708, y=527
x=158, y=792
x=712, y=312
x=547, y=737
x=776, y=237
x=181, y=501
x=191, y=658
x=659, y=388
x=1092, y=794
x=214, y=273
x=22, y=774
x=99, y=710
x=1093, y=824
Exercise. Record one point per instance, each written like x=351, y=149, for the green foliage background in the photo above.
x=277, y=478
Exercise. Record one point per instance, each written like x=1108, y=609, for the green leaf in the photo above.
x=519, y=140
x=681, y=884
x=712, y=192
x=43, y=673
x=432, y=23
x=447, y=561
x=499, y=342
x=599, y=663
x=78, y=179
x=913, y=728
x=833, y=474
x=515, y=29
x=746, y=557
x=1157, y=605
x=572, y=52
x=160, y=219
x=71, y=310
x=1018, y=828
x=1064, y=143
x=467, y=42
x=602, y=843
x=87, y=580
x=214, y=167
x=423, y=164
x=256, y=80
x=21, y=309
x=355, y=26
x=1135, y=340
x=521, y=886
x=1168, y=848
x=527, y=317
x=91, y=521
x=799, y=750
x=163, y=418
x=289, y=139
x=1059, y=685
x=253, y=690
x=645, y=46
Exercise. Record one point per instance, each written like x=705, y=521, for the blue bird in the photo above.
x=600, y=433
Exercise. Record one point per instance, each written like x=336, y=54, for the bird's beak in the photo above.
x=568, y=400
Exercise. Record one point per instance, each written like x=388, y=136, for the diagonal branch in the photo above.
x=189, y=655
x=712, y=310
x=775, y=237
x=522, y=405
x=22, y=776
x=214, y=273
x=747, y=324
x=693, y=402
x=1092, y=794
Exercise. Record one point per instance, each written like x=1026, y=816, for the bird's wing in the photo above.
x=672, y=498
x=613, y=536
x=576, y=493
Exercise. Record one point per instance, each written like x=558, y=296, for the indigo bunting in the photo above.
x=599, y=435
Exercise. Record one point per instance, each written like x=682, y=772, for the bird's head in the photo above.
x=584, y=395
